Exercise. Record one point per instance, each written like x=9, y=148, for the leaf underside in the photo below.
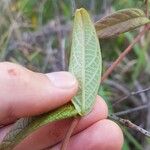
x=85, y=61
x=120, y=22
x=85, y=64
x=25, y=126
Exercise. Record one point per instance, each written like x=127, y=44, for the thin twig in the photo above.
x=147, y=8
x=147, y=145
x=61, y=42
x=144, y=100
x=129, y=124
x=141, y=94
x=131, y=94
x=69, y=133
x=132, y=110
x=49, y=57
x=40, y=37
x=123, y=54
x=123, y=89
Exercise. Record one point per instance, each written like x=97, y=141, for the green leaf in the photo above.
x=26, y=126
x=85, y=64
x=120, y=22
x=85, y=61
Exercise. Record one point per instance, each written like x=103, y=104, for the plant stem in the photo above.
x=130, y=94
x=69, y=133
x=132, y=110
x=123, y=54
x=129, y=124
x=147, y=8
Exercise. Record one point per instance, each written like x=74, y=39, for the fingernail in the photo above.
x=62, y=79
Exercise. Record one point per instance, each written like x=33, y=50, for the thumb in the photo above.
x=26, y=93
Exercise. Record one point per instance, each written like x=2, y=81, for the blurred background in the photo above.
x=37, y=35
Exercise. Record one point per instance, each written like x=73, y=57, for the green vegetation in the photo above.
x=37, y=35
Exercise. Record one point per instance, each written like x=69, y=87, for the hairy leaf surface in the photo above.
x=85, y=61
x=120, y=21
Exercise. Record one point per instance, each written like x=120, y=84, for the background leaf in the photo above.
x=85, y=61
x=120, y=21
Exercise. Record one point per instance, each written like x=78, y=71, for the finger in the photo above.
x=103, y=135
x=55, y=132
x=26, y=93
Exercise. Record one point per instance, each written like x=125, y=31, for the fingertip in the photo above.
x=113, y=133
x=101, y=106
x=62, y=86
x=99, y=112
x=103, y=135
x=51, y=90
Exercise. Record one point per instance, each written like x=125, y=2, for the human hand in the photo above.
x=24, y=93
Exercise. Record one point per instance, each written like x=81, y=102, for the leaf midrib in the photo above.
x=83, y=66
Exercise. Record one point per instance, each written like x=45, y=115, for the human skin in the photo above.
x=24, y=93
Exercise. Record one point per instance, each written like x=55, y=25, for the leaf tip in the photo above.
x=81, y=11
